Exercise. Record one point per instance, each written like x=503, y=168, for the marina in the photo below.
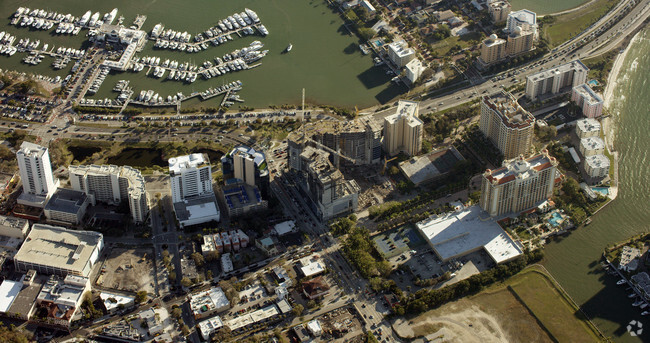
x=271, y=83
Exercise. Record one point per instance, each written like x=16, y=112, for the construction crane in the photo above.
x=386, y=160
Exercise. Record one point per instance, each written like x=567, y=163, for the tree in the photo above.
x=176, y=312
x=198, y=259
x=298, y=310
x=366, y=33
x=186, y=282
x=141, y=297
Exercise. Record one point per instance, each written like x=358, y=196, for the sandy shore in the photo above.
x=616, y=69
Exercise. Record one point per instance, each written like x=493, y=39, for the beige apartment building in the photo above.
x=403, y=130
x=506, y=124
x=519, y=185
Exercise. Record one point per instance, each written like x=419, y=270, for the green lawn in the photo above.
x=552, y=307
x=442, y=47
x=570, y=24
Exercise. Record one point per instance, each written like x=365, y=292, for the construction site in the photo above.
x=129, y=270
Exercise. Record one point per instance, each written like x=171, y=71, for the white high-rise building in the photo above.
x=525, y=19
x=36, y=174
x=519, y=185
x=403, y=130
x=192, y=194
x=190, y=175
x=112, y=184
x=555, y=80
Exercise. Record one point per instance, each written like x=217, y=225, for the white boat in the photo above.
x=289, y=47
x=111, y=16
x=621, y=281
x=94, y=19
x=85, y=18
x=637, y=303
x=252, y=15
x=632, y=295
x=645, y=313
x=644, y=305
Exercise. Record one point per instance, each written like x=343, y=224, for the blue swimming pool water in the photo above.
x=555, y=219
x=602, y=190
x=593, y=82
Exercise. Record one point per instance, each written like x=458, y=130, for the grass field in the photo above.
x=528, y=307
x=442, y=47
x=570, y=24
x=549, y=304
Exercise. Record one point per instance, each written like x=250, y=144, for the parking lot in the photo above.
x=398, y=241
x=425, y=265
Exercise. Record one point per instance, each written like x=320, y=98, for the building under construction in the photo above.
x=358, y=142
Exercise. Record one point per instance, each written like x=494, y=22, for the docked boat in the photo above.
x=637, y=303
x=621, y=281
x=645, y=313
x=632, y=295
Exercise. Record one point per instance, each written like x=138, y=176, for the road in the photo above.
x=596, y=41
x=603, y=36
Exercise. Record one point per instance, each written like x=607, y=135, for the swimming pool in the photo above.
x=555, y=219
x=602, y=190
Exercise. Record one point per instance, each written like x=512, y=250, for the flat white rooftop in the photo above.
x=284, y=227
x=176, y=164
x=597, y=161
x=8, y=292
x=576, y=65
x=459, y=233
x=588, y=125
x=588, y=94
x=592, y=143
x=108, y=298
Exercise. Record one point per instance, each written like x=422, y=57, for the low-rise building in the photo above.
x=284, y=228
x=592, y=146
x=241, y=198
x=66, y=207
x=432, y=166
x=227, y=241
x=589, y=101
x=226, y=264
x=151, y=321
x=596, y=167
x=208, y=302
x=61, y=298
x=209, y=326
x=315, y=288
x=13, y=227
x=72, y=252
x=311, y=265
x=114, y=302
x=267, y=245
x=587, y=127
x=457, y=234
x=629, y=259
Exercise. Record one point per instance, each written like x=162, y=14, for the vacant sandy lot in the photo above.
x=128, y=270
x=461, y=321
